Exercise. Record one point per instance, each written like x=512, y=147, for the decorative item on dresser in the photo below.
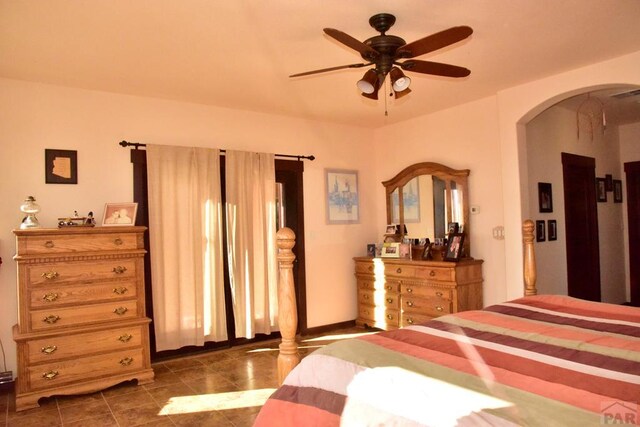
x=393, y=293
x=81, y=311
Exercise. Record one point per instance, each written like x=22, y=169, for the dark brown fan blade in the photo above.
x=433, y=42
x=436, y=68
x=355, y=44
x=324, y=70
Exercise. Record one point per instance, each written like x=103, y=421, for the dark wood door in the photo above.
x=632, y=171
x=581, y=224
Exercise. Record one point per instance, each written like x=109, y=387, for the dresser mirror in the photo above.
x=425, y=198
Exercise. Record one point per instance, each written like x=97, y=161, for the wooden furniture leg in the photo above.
x=288, y=357
x=529, y=258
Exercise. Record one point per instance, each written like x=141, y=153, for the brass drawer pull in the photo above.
x=439, y=308
x=126, y=361
x=50, y=297
x=388, y=287
x=125, y=337
x=118, y=241
x=390, y=317
x=119, y=269
x=49, y=244
x=410, y=320
x=439, y=294
x=50, y=375
x=50, y=349
x=399, y=270
x=51, y=319
x=432, y=273
x=389, y=300
x=409, y=290
x=410, y=303
x=370, y=268
x=50, y=275
x=120, y=310
x=120, y=291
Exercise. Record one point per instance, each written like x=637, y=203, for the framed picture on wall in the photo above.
x=60, y=166
x=545, y=199
x=601, y=190
x=342, y=196
x=617, y=191
x=552, y=225
x=540, y=231
x=608, y=182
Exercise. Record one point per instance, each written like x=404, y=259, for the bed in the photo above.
x=538, y=360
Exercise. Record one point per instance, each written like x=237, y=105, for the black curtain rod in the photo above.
x=137, y=145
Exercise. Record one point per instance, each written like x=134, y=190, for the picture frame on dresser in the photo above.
x=453, y=250
x=119, y=214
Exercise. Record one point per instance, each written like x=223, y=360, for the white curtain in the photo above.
x=251, y=241
x=186, y=246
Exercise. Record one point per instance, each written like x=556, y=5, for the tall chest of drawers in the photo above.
x=81, y=311
x=393, y=293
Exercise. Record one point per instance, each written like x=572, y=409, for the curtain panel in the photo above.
x=251, y=241
x=186, y=246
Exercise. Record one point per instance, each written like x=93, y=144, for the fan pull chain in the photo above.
x=386, y=112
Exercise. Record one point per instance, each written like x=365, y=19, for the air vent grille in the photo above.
x=627, y=94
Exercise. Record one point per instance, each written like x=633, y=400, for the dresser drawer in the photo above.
x=389, y=286
x=364, y=267
x=409, y=319
x=379, y=298
x=66, y=346
x=443, y=274
x=399, y=271
x=379, y=317
x=55, y=244
x=52, y=296
x=81, y=271
x=432, y=307
x=421, y=290
x=84, y=368
x=55, y=318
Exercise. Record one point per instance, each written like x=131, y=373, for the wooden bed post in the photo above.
x=287, y=312
x=529, y=258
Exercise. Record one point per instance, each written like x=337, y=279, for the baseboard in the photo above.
x=328, y=328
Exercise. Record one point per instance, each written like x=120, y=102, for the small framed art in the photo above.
x=608, y=182
x=545, y=199
x=119, y=214
x=342, y=196
x=617, y=191
x=601, y=190
x=60, y=166
x=540, y=231
x=552, y=226
x=454, y=247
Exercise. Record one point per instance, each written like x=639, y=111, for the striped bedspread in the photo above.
x=539, y=361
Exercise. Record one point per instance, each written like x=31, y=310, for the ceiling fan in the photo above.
x=384, y=51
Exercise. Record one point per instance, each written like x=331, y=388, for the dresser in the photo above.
x=81, y=311
x=393, y=292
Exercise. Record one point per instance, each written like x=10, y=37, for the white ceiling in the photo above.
x=239, y=53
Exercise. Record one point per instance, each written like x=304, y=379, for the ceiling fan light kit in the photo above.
x=383, y=52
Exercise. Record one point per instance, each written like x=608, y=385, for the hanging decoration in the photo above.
x=591, y=115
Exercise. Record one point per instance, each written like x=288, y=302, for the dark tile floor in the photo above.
x=219, y=388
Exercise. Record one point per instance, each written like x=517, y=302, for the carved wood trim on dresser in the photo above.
x=81, y=311
x=393, y=293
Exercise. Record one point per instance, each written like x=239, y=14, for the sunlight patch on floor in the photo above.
x=338, y=337
x=216, y=401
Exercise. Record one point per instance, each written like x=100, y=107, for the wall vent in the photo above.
x=626, y=94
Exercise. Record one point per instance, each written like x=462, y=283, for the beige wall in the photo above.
x=35, y=117
x=483, y=136
x=549, y=134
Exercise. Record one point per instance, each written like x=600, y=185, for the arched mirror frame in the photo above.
x=445, y=173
